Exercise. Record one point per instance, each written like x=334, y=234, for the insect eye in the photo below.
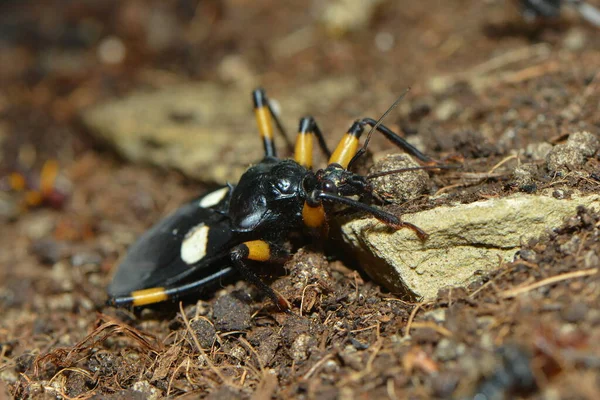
x=330, y=187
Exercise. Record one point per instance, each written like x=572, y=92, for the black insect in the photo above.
x=227, y=229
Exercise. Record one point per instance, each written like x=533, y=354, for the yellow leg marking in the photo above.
x=258, y=250
x=33, y=198
x=313, y=217
x=345, y=150
x=48, y=176
x=303, y=149
x=149, y=296
x=263, y=119
x=17, y=182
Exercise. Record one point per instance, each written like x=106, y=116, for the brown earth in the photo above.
x=484, y=84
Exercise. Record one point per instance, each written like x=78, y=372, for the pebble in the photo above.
x=402, y=186
x=575, y=312
x=574, y=153
x=301, y=347
x=448, y=350
x=538, y=151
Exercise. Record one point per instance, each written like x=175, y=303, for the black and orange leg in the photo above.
x=144, y=297
x=265, y=116
x=303, y=151
x=347, y=148
x=264, y=121
x=392, y=137
x=260, y=251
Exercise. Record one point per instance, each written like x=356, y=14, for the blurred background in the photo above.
x=58, y=58
x=114, y=112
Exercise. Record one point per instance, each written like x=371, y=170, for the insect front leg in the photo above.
x=261, y=251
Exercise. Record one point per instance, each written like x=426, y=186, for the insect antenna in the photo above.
x=363, y=149
x=407, y=169
x=383, y=216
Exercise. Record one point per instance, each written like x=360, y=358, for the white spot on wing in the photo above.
x=214, y=198
x=193, y=247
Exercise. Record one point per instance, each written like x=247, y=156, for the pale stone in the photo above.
x=205, y=130
x=464, y=239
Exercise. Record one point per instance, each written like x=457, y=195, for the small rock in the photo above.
x=524, y=174
x=571, y=246
x=447, y=109
x=331, y=367
x=38, y=225
x=301, y=347
x=342, y=16
x=352, y=358
x=437, y=315
x=575, y=312
x=9, y=209
x=147, y=389
x=591, y=259
x=448, y=350
x=81, y=259
x=402, y=186
x=61, y=302
x=575, y=39
x=586, y=142
x=237, y=352
x=235, y=69
x=564, y=158
x=573, y=154
x=231, y=314
x=444, y=384
x=48, y=250
x=528, y=255
x=538, y=151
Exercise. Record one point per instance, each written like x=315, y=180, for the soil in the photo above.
x=485, y=86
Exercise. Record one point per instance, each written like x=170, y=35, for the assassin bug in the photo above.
x=228, y=228
x=38, y=190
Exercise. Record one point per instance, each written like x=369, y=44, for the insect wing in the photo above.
x=182, y=244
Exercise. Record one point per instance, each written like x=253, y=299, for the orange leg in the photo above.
x=262, y=251
x=264, y=121
x=348, y=146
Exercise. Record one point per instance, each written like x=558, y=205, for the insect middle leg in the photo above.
x=303, y=150
x=261, y=251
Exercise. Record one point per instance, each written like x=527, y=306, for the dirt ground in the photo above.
x=485, y=84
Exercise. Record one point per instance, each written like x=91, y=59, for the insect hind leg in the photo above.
x=155, y=295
